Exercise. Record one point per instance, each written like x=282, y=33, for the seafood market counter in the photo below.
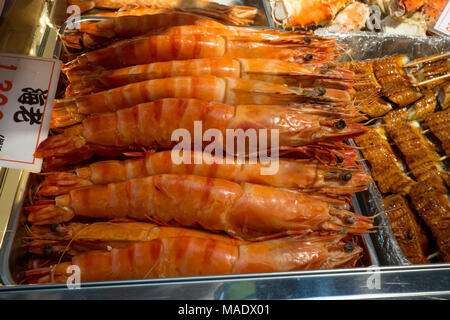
x=386, y=275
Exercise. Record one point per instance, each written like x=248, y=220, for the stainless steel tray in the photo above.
x=13, y=254
x=399, y=281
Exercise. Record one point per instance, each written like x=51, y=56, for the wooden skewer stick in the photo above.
x=425, y=131
x=433, y=255
x=443, y=158
x=445, y=76
x=429, y=59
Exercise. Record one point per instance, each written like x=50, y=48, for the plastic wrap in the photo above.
x=363, y=45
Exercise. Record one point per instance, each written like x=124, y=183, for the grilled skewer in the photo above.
x=444, y=95
x=420, y=155
x=425, y=105
x=410, y=235
x=367, y=89
x=395, y=83
x=439, y=124
x=429, y=197
x=385, y=166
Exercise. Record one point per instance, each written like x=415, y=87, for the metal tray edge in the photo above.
x=9, y=237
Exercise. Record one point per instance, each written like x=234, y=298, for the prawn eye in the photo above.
x=308, y=57
x=346, y=176
x=54, y=227
x=340, y=124
x=47, y=250
x=348, y=247
x=307, y=39
x=321, y=91
x=350, y=220
x=339, y=159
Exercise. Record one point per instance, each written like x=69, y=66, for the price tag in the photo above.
x=443, y=24
x=27, y=88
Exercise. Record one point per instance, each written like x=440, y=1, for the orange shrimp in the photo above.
x=178, y=23
x=229, y=14
x=244, y=211
x=74, y=238
x=85, y=82
x=193, y=256
x=165, y=24
x=299, y=174
x=306, y=13
x=232, y=91
x=152, y=125
x=131, y=12
x=93, y=34
x=156, y=48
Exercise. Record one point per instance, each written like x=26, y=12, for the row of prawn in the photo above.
x=127, y=98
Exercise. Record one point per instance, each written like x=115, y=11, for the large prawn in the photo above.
x=232, y=91
x=229, y=14
x=92, y=34
x=152, y=125
x=298, y=174
x=156, y=48
x=244, y=211
x=85, y=82
x=194, y=255
x=59, y=240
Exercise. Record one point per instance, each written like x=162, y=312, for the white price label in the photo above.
x=443, y=23
x=27, y=88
